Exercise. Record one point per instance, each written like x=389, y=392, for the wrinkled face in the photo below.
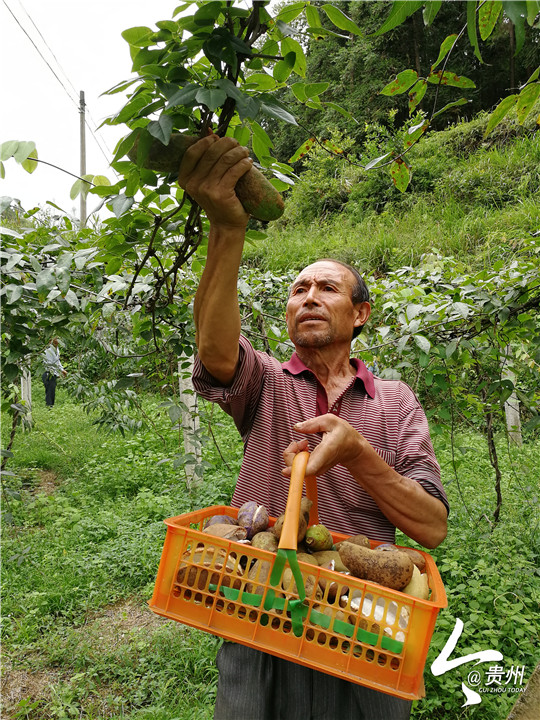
x=320, y=310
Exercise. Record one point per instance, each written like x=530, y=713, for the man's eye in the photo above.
x=329, y=288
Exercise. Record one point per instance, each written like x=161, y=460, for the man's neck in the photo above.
x=329, y=366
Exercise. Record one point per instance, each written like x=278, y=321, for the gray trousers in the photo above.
x=257, y=686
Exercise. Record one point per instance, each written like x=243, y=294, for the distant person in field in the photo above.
x=53, y=370
x=369, y=440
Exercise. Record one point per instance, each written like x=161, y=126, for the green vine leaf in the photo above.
x=45, y=281
x=283, y=68
x=450, y=78
x=291, y=12
x=23, y=151
x=303, y=150
x=455, y=103
x=526, y=100
x=403, y=81
x=162, y=128
x=138, y=36
x=400, y=174
x=270, y=106
x=8, y=148
x=471, y=29
x=488, y=14
x=184, y=96
x=30, y=163
x=312, y=17
x=416, y=94
x=290, y=45
x=400, y=11
x=373, y=163
x=430, y=11
x=211, y=97
x=502, y=109
x=340, y=20
x=516, y=11
x=446, y=45
x=121, y=204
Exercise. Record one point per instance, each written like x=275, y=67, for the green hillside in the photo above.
x=469, y=197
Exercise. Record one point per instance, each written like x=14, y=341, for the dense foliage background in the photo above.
x=451, y=255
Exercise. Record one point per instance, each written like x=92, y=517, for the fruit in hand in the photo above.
x=257, y=194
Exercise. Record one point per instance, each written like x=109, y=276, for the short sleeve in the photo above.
x=415, y=457
x=240, y=398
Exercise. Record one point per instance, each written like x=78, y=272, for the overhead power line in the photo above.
x=48, y=47
x=40, y=54
x=107, y=154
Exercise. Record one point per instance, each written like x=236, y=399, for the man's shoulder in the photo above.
x=393, y=388
x=268, y=361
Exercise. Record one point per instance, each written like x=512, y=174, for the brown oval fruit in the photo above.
x=221, y=519
x=302, y=527
x=265, y=541
x=391, y=569
x=257, y=194
x=417, y=558
x=355, y=540
x=226, y=531
x=259, y=574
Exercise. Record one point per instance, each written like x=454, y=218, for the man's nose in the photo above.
x=311, y=296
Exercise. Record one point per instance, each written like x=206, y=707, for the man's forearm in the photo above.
x=216, y=312
x=421, y=516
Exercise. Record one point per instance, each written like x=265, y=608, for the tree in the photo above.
x=358, y=66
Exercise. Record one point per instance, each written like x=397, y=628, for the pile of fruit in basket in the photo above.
x=402, y=569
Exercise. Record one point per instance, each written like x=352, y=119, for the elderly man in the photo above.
x=368, y=438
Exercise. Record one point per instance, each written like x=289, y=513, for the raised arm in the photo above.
x=209, y=172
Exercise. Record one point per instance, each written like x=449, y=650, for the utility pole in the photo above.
x=82, y=107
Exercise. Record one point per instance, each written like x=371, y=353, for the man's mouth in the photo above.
x=311, y=318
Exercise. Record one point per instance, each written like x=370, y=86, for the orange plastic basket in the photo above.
x=376, y=637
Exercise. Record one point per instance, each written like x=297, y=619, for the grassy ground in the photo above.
x=82, y=548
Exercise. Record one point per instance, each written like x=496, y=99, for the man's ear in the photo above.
x=364, y=311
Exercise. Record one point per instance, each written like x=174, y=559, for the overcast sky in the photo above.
x=82, y=43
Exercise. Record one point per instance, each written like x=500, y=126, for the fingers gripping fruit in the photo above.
x=257, y=194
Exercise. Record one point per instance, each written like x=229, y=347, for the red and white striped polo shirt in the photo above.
x=267, y=398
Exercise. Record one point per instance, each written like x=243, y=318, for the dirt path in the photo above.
x=528, y=705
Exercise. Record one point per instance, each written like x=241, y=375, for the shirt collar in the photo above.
x=295, y=366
